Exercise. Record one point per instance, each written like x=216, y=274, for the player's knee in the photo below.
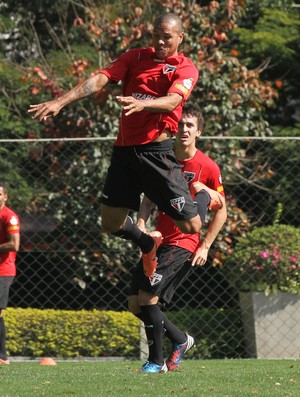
x=133, y=305
x=108, y=226
x=145, y=299
x=112, y=219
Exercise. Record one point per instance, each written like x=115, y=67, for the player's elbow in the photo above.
x=222, y=213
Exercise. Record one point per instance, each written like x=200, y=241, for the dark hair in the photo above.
x=169, y=17
x=193, y=110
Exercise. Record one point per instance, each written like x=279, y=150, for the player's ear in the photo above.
x=181, y=36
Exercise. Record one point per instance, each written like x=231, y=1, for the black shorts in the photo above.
x=172, y=269
x=151, y=169
x=5, y=283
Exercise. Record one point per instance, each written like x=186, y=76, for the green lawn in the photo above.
x=261, y=378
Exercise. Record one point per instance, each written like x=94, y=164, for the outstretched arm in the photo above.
x=84, y=89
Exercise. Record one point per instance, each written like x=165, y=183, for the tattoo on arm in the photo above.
x=89, y=88
x=82, y=90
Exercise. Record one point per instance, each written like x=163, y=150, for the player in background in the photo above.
x=178, y=252
x=9, y=246
x=157, y=81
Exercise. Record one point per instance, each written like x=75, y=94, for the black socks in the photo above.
x=154, y=325
x=172, y=332
x=157, y=324
x=131, y=232
x=202, y=201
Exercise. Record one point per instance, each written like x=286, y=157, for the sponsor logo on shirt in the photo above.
x=188, y=83
x=178, y=203
x=155, y=278
x=169, y=69
x=180, y=87
x=13, y=220
x=185, y=86
x=138, y=95
x=189, y=176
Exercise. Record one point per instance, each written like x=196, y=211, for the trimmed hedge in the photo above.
x=82, y=333
x=66, y=333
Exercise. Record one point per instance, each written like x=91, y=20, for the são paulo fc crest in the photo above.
x=189, y=176
x=168, y=69
x=178, y=203
x=155, y=278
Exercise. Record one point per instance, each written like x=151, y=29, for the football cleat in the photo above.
x=4, y=361
x=177, y=353
x=150, y=259
x=215, y=197
x=150, y=367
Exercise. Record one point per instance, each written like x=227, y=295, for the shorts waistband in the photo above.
x=148, y=147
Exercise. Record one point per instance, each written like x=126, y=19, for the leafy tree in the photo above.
x=50, y=46
x=268, y=40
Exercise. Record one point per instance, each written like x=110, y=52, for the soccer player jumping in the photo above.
x=157, y=81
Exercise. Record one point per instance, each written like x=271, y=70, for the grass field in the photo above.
x=232, y=378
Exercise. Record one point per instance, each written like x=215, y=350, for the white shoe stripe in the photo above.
x=190, y=342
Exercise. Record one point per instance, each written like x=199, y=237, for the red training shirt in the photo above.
x=9, y=224
x=145, y=77
x=199, y=168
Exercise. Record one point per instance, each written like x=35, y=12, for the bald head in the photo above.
x=170, y=19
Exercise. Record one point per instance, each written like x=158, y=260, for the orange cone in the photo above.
x=48, y=361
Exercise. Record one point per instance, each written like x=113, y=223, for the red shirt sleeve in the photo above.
x=185, y=79
x=117, y=70
x=13, y=224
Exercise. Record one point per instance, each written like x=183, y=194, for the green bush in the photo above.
x=65, y=333
x=71, y=334
x=267, y=259
x=217, y=332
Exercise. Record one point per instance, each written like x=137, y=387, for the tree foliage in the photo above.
x=270, y=43
x=50, y=46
